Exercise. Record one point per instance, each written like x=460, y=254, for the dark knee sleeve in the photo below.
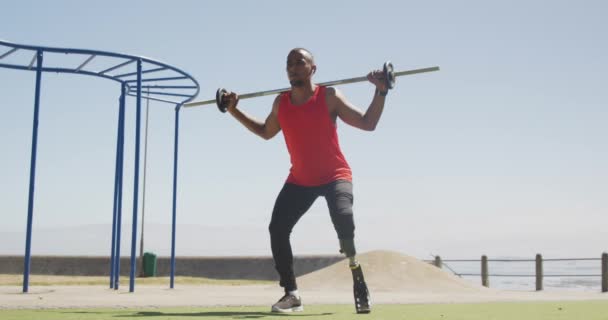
x=345, y=226
x=347, y=246
x=340, y=202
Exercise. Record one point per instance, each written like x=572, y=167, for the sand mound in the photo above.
x=388, y=271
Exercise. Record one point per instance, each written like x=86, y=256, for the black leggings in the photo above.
x=291, y=204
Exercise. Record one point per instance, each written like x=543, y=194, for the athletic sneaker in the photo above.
x=288, y=303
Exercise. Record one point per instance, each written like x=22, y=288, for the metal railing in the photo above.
x=539, y=275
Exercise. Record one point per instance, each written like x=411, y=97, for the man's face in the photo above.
x=299, y=68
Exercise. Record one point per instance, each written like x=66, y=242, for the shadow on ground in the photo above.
x=227, y=314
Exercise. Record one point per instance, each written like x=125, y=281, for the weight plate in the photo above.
x=389, y=74
x=219, y=99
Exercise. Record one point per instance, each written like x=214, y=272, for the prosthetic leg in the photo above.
x=360, y=291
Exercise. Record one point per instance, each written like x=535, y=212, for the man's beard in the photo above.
x=297, y=83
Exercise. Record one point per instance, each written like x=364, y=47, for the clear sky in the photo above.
x=502, y=152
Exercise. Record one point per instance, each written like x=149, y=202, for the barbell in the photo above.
x=387, y=70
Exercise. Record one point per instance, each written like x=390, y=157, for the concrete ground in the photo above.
x=391, y=277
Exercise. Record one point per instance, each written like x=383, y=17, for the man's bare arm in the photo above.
x=267, y=129
x=352, y=115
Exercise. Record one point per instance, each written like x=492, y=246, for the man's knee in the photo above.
x=344, y=225
x=347, y=246
x=277, y=230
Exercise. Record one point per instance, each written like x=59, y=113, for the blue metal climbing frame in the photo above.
x=162, y=82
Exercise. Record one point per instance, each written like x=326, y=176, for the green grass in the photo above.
x=579, y=310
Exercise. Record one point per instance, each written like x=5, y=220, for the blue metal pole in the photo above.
x=115, y=207
x=135, y=180
x=172, y=282
x=114, y=213
x=113, y=241
x=120, y=180
x=30, y=203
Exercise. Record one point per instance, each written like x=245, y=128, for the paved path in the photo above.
x=201, y=296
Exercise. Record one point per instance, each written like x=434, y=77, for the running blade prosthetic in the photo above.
x=362, y=301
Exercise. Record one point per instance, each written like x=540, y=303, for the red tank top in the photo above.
x=312, y=141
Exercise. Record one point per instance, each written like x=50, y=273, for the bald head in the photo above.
x=304, y=52
x=300, y=67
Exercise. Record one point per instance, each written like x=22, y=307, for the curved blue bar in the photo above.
x=172, y=82
x=179, y=76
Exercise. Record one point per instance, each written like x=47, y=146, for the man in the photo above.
x=307, y=116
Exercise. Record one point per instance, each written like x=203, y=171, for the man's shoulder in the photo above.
x=277, y=100
x=331, y=91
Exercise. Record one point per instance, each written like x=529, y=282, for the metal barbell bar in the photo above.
x=389, y=76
